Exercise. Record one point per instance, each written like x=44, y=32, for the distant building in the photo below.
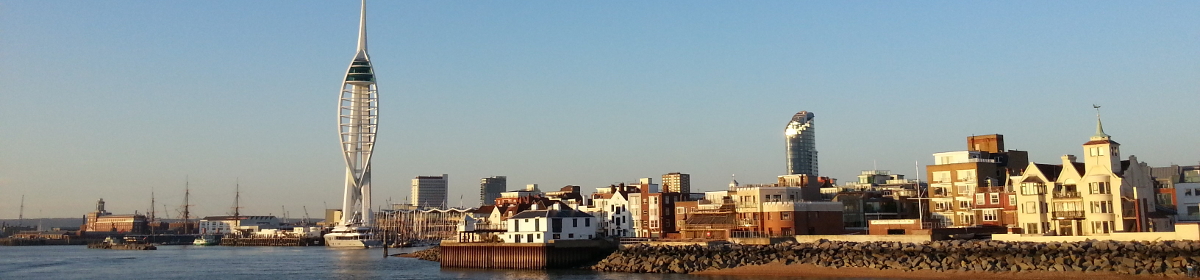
x=1101, y=195
x=1178, y=188
x=549, y=225
x=101, y=221
x=490, y=189
x=430, y=191
x=676, y=182
x=801, y=144
x=972, y=188
x=228, y=224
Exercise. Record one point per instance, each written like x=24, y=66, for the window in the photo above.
x=785, y=216
x=536, y=225
x=1031, y=228
x=964, y=204
x=1193, y=211
x=989, y=215
x=1033, y=188
x=1099, y=188
x=941, y=176
x=966, y=175
x=680, y=210
x=995, y=198
x=1030, y=207
x=1102, y=207
x=587, y=222
x=979, y=198
x=570, y=235
x=941, y=205
x=1012, y=200
x=574, y=222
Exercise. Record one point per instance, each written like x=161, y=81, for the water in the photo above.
x=218, y=262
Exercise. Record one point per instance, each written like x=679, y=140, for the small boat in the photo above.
x=118, y=244
x=206, y=240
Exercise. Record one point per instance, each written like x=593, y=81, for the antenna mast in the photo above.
x=21, y=215
x=187, y=213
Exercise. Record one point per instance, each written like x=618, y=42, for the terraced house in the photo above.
x=1101, y=195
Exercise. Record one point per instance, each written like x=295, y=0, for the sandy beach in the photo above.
x=807, y=270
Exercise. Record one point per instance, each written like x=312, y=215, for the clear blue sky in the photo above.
x=113, y=98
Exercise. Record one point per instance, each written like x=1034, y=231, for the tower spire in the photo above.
x=1100, y=135
x=362, y=28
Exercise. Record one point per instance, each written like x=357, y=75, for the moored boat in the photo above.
x=352, y=237
x=206, y=240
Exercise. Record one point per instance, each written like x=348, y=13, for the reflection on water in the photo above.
x=218, y=262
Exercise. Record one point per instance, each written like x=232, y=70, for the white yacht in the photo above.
x=352, y=237
x=206, y=240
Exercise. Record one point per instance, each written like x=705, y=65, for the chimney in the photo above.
x=1067, y=159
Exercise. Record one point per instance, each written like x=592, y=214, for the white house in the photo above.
x=547, y=226
x=610, y=205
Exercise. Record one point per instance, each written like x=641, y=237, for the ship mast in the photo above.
x=187, y=191
x=21, y=215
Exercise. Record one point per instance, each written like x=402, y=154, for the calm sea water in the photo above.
x=218, y=262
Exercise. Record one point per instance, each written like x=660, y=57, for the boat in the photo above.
x=352, y=237
x=118, y=244
x=206, y=240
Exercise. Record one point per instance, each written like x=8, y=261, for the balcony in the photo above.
x=1061, y=195
x=1068, y=214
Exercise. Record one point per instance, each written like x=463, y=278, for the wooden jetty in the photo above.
x=274, y=241
x=559, y=254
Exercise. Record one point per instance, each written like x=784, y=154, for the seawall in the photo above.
x=1164, y=258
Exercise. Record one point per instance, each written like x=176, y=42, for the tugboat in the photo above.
x=206, y=240
x=118, y=244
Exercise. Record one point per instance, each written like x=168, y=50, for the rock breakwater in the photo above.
x=431, y=254
x=1166, y=258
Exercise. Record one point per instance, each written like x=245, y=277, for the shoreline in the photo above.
x=808, y=270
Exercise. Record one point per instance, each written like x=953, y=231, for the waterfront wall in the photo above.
x=558, y=254
x=1168, y=258
x=864, y=238
x=1183, y=232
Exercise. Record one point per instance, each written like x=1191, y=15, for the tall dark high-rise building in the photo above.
x=490, y=189
x=801, y=144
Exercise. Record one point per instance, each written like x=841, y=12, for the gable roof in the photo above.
x=569, y=213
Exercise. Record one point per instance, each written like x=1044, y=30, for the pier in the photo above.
x=560, y=254
x=275, y=241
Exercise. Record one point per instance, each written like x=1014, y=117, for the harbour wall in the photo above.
x=1165, y=258
x=560, y=254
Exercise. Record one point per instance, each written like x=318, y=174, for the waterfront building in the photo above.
x=1099, y=196
x=101, y=221
x=610, y=205
x=550, y=225
x=771, y=210
x=490, y=189
x=430, y=191
x=219, y=225
x=877, y=195
x=1177, y=188
x=971, y=188
x=676, y=182
x=801, y=144
x=358, y=122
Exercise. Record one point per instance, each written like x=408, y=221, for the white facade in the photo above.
x=547, y=226
x=220, y=225
x=1099, y=196
x=613, y=214
x=1187, y=197
x=430, y=191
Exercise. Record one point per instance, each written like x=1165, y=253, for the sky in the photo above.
x=118, y=99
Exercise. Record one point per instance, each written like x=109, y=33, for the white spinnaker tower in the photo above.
x=358, y=119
